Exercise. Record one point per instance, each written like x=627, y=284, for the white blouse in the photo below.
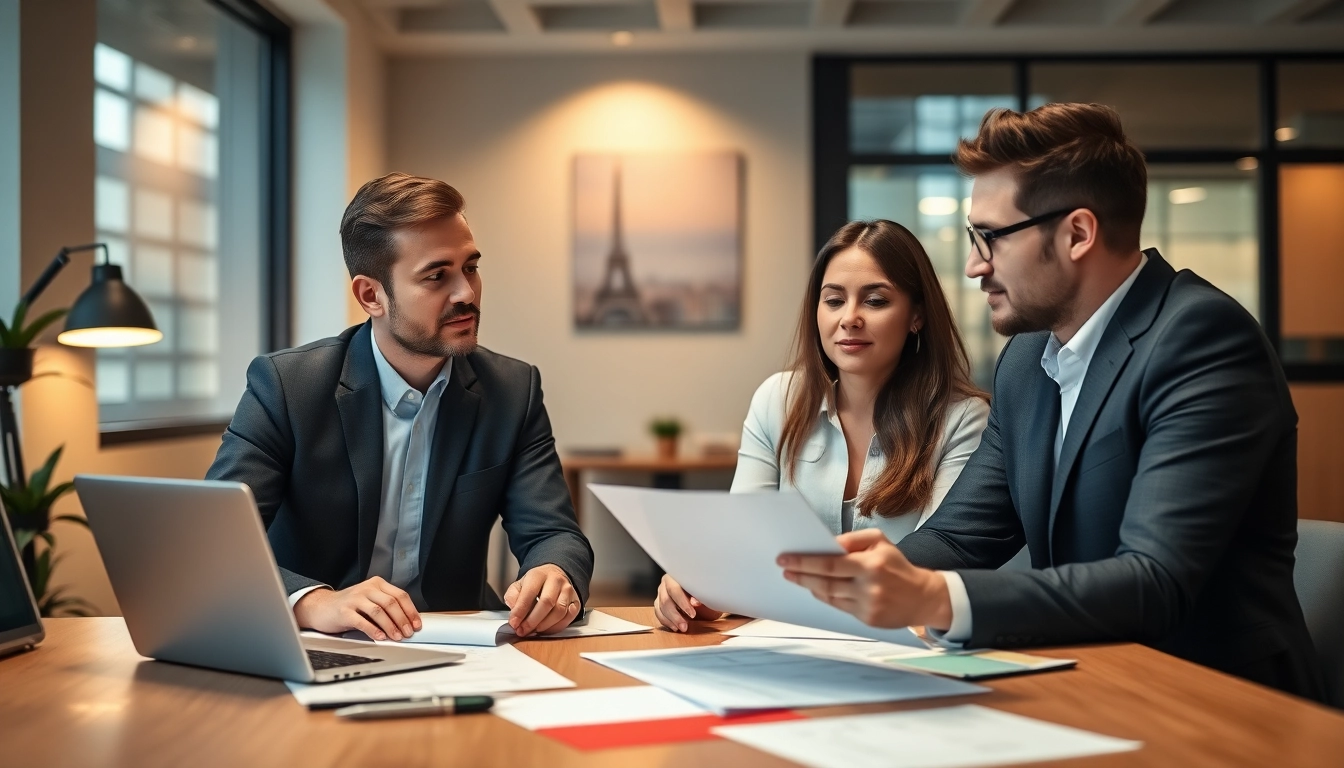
x=823, y=463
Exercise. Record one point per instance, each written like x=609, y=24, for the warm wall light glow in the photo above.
x=1286, y=133
x=1247, y=164
x=622, y=39
x=1187, y=195
x=938, y=206
x=110, y=337
x=947, y=234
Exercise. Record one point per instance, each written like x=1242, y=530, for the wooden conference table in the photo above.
x=84, y=698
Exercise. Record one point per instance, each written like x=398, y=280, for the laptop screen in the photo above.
x=16, y=609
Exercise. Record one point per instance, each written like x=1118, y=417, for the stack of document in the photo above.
x=492, y=628
x=604, y=718
x=735, y=679
x=949, y=737
x=484, y=670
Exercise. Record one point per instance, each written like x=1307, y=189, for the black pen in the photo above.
x=433, y=705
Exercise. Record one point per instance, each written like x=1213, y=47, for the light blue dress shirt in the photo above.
x=1066, y=365
x=408, y=433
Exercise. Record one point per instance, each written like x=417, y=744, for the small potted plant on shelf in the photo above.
x=665, y=431
x=29, y=511
x=16, y=356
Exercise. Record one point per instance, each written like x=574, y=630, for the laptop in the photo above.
x=20, y=626
x=193, y=571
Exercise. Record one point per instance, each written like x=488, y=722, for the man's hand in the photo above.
x=374, y=607
x=674, y=606
x=874, y=582
x=542, y=601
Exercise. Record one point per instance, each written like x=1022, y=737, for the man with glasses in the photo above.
x=1142, y=443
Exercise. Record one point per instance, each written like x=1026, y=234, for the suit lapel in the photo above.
x=1036, y=466
x=452, y=436
x=359, y=401
x=1133, y=318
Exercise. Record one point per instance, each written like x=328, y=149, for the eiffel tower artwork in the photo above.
x=617, y=303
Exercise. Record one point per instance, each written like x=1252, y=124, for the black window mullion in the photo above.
x=1270, y=280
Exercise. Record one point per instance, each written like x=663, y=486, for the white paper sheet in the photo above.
x=733, y=679
x=627, y=704
x=947, y=737
x=483, y=671
x=492, y=628
x=866, y=650
x=722, y=548
x=769, y=628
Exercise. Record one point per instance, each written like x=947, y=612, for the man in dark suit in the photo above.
x=380, y=459
x=1141, y=442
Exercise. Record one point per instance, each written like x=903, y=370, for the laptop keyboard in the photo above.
x=328, y=660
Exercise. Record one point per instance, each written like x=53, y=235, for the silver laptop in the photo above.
x=193, y=571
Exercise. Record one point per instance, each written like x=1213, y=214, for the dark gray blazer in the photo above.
x=308, y=439
x=1171, y=520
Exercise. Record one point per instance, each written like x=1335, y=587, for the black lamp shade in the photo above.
x=109, y=314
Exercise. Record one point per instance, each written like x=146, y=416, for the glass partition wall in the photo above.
x=1246, y=172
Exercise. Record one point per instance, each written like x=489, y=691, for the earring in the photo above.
x=916, y=333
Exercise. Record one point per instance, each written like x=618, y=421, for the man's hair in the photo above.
x=381, y=207
x=1066, y=155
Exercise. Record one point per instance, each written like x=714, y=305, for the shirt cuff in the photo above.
x=297, y=596
x=960, y=631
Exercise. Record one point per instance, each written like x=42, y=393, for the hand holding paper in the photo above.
x=873, y=582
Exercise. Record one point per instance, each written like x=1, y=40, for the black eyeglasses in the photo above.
x=982, y=238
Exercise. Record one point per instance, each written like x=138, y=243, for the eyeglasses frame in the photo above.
x=990, y=235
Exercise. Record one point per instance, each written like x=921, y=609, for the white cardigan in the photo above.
x=823, y=463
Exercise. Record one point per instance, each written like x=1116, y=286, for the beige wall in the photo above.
x=504, y=131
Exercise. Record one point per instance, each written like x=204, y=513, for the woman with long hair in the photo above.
x=876, y=414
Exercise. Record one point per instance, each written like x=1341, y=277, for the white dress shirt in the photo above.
x=1066, y=365
x=408, y=432
x=823, y=463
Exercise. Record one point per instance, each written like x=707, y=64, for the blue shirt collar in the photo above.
x=396, y=391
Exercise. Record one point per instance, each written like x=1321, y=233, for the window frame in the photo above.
x=832, y=157
x=277, y=216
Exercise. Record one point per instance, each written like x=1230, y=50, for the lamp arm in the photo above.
x=57, y=264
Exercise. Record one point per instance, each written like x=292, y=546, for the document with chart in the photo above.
x=722, y=547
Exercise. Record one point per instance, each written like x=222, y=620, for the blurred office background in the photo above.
x=213, y=144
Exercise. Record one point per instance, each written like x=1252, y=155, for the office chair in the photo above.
x=1319, y=580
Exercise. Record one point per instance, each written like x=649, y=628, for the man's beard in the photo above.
x=1040, y=313
x=429, y=344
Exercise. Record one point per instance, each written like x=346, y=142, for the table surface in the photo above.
x=85, y=698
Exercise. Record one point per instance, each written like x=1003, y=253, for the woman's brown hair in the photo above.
x=910, y=408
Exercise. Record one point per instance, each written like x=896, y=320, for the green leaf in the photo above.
x=38, y=482
x=76, y=519
x=4, y=333
x=54, y=494
x=24, y=337
x=16, y=324
x=22, y=538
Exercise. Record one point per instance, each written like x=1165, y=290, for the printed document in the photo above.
x=492, y=628
x=736, y=679
x=947, y=737
x=722, y=548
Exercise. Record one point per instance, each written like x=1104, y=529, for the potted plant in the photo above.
x=16, y=356
x=29, y=511
x=665, y=431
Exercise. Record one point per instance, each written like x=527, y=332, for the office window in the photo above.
x=921, y=109
x=182, y=122
x=1311, y=104
x=1203, y=218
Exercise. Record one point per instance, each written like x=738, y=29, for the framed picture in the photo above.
x=658, y=242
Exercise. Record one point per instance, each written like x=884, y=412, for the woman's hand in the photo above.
x=674, y=607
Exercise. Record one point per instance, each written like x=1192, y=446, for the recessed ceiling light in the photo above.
x=938, y=206
x=1247, y=164
x=1187, y=195
x=1286, y=133
x=622, y=39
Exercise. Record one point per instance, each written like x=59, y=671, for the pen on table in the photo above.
x=433, y=705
